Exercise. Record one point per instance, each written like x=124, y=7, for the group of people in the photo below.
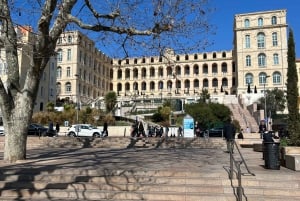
x=141, y=129
x=51, y=131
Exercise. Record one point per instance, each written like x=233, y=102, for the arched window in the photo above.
x=205, y=69
x=187, y=70
x=260, y=40
x=215, y=82
x=196, y=69
x=160, y=85
x=152, y=72
x=68, y=87
x=262, y=78
x=196, y=83
x=205, y=82
x=204, y=56
x=127, y=73
x=68, y=71
x=58, y=72
x=247, y=41
x=169, y=71
x=58, y=88
x=119, y=87
x=187, y=84
x=224, y=67
x=274, y=39
x=144, y=86
x=214, y=55
x=223, y=54
x=160, y=72
x=260, y=22
x=249, y=78
x=135, y=86
x=119, y=74
x=178, y=70
x=59, y=55
x=169, y=85
x=127, y=86
x=247, y=23
x=135, y=73
x=186, y=57
x=225, y=82
x=70, y=39
x=178, y=84
x=195, y=56
x=276, y=78
x=152, y=86
x=274, y=20
x=144, y=73
x=248, y=60
x=261, y=60
x=275, y=59
x=214, y=68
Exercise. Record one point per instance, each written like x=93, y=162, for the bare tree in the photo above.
x=152, y=25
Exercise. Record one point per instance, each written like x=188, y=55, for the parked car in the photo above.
x=216, y=132
x=1, y=130
x=84, y=130
x=40, y=130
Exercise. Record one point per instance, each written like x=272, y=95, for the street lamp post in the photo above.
x=267, y=76
x=77, y=99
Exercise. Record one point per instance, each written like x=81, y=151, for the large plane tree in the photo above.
x=133, y=26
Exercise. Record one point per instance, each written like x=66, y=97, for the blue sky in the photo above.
x=223, y=19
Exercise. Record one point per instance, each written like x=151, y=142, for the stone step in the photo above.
x=121, y=142
x=26, y=194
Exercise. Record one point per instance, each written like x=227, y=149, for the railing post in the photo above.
x=239, y=188
x=231, y=167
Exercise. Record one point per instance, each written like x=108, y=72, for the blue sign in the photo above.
x=188, y=126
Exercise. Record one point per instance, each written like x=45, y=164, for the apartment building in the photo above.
x=83, y=72
x=174, y=76
x=260, y=50
x=46, y=92
x=259, y=53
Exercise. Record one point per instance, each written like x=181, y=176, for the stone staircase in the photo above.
x=154, y=169
x=242, y=115
x=121, y=142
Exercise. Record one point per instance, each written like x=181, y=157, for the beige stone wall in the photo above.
x=242, y=51
x=85, y=68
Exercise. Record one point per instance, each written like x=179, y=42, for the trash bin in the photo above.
x=271, y=155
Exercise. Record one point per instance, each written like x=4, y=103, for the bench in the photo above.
x=292, y=162
x=291, y=157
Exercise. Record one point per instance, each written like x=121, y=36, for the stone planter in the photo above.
x=288, y=150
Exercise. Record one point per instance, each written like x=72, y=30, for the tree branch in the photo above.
x=129, y=31
x=112, y=15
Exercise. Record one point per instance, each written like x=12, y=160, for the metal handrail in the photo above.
x=237, y=165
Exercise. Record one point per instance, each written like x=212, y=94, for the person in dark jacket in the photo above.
x=105, y=129
x=57, y=128
x=229, y=134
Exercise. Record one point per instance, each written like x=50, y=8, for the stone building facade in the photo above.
x=83, y=72
x=259, y=53
x=46, y=91
x=257, y=61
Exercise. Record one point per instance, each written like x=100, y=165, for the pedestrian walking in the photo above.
x=229, y=133
x=57, y=128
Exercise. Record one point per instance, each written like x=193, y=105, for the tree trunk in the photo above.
x=15, y=127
